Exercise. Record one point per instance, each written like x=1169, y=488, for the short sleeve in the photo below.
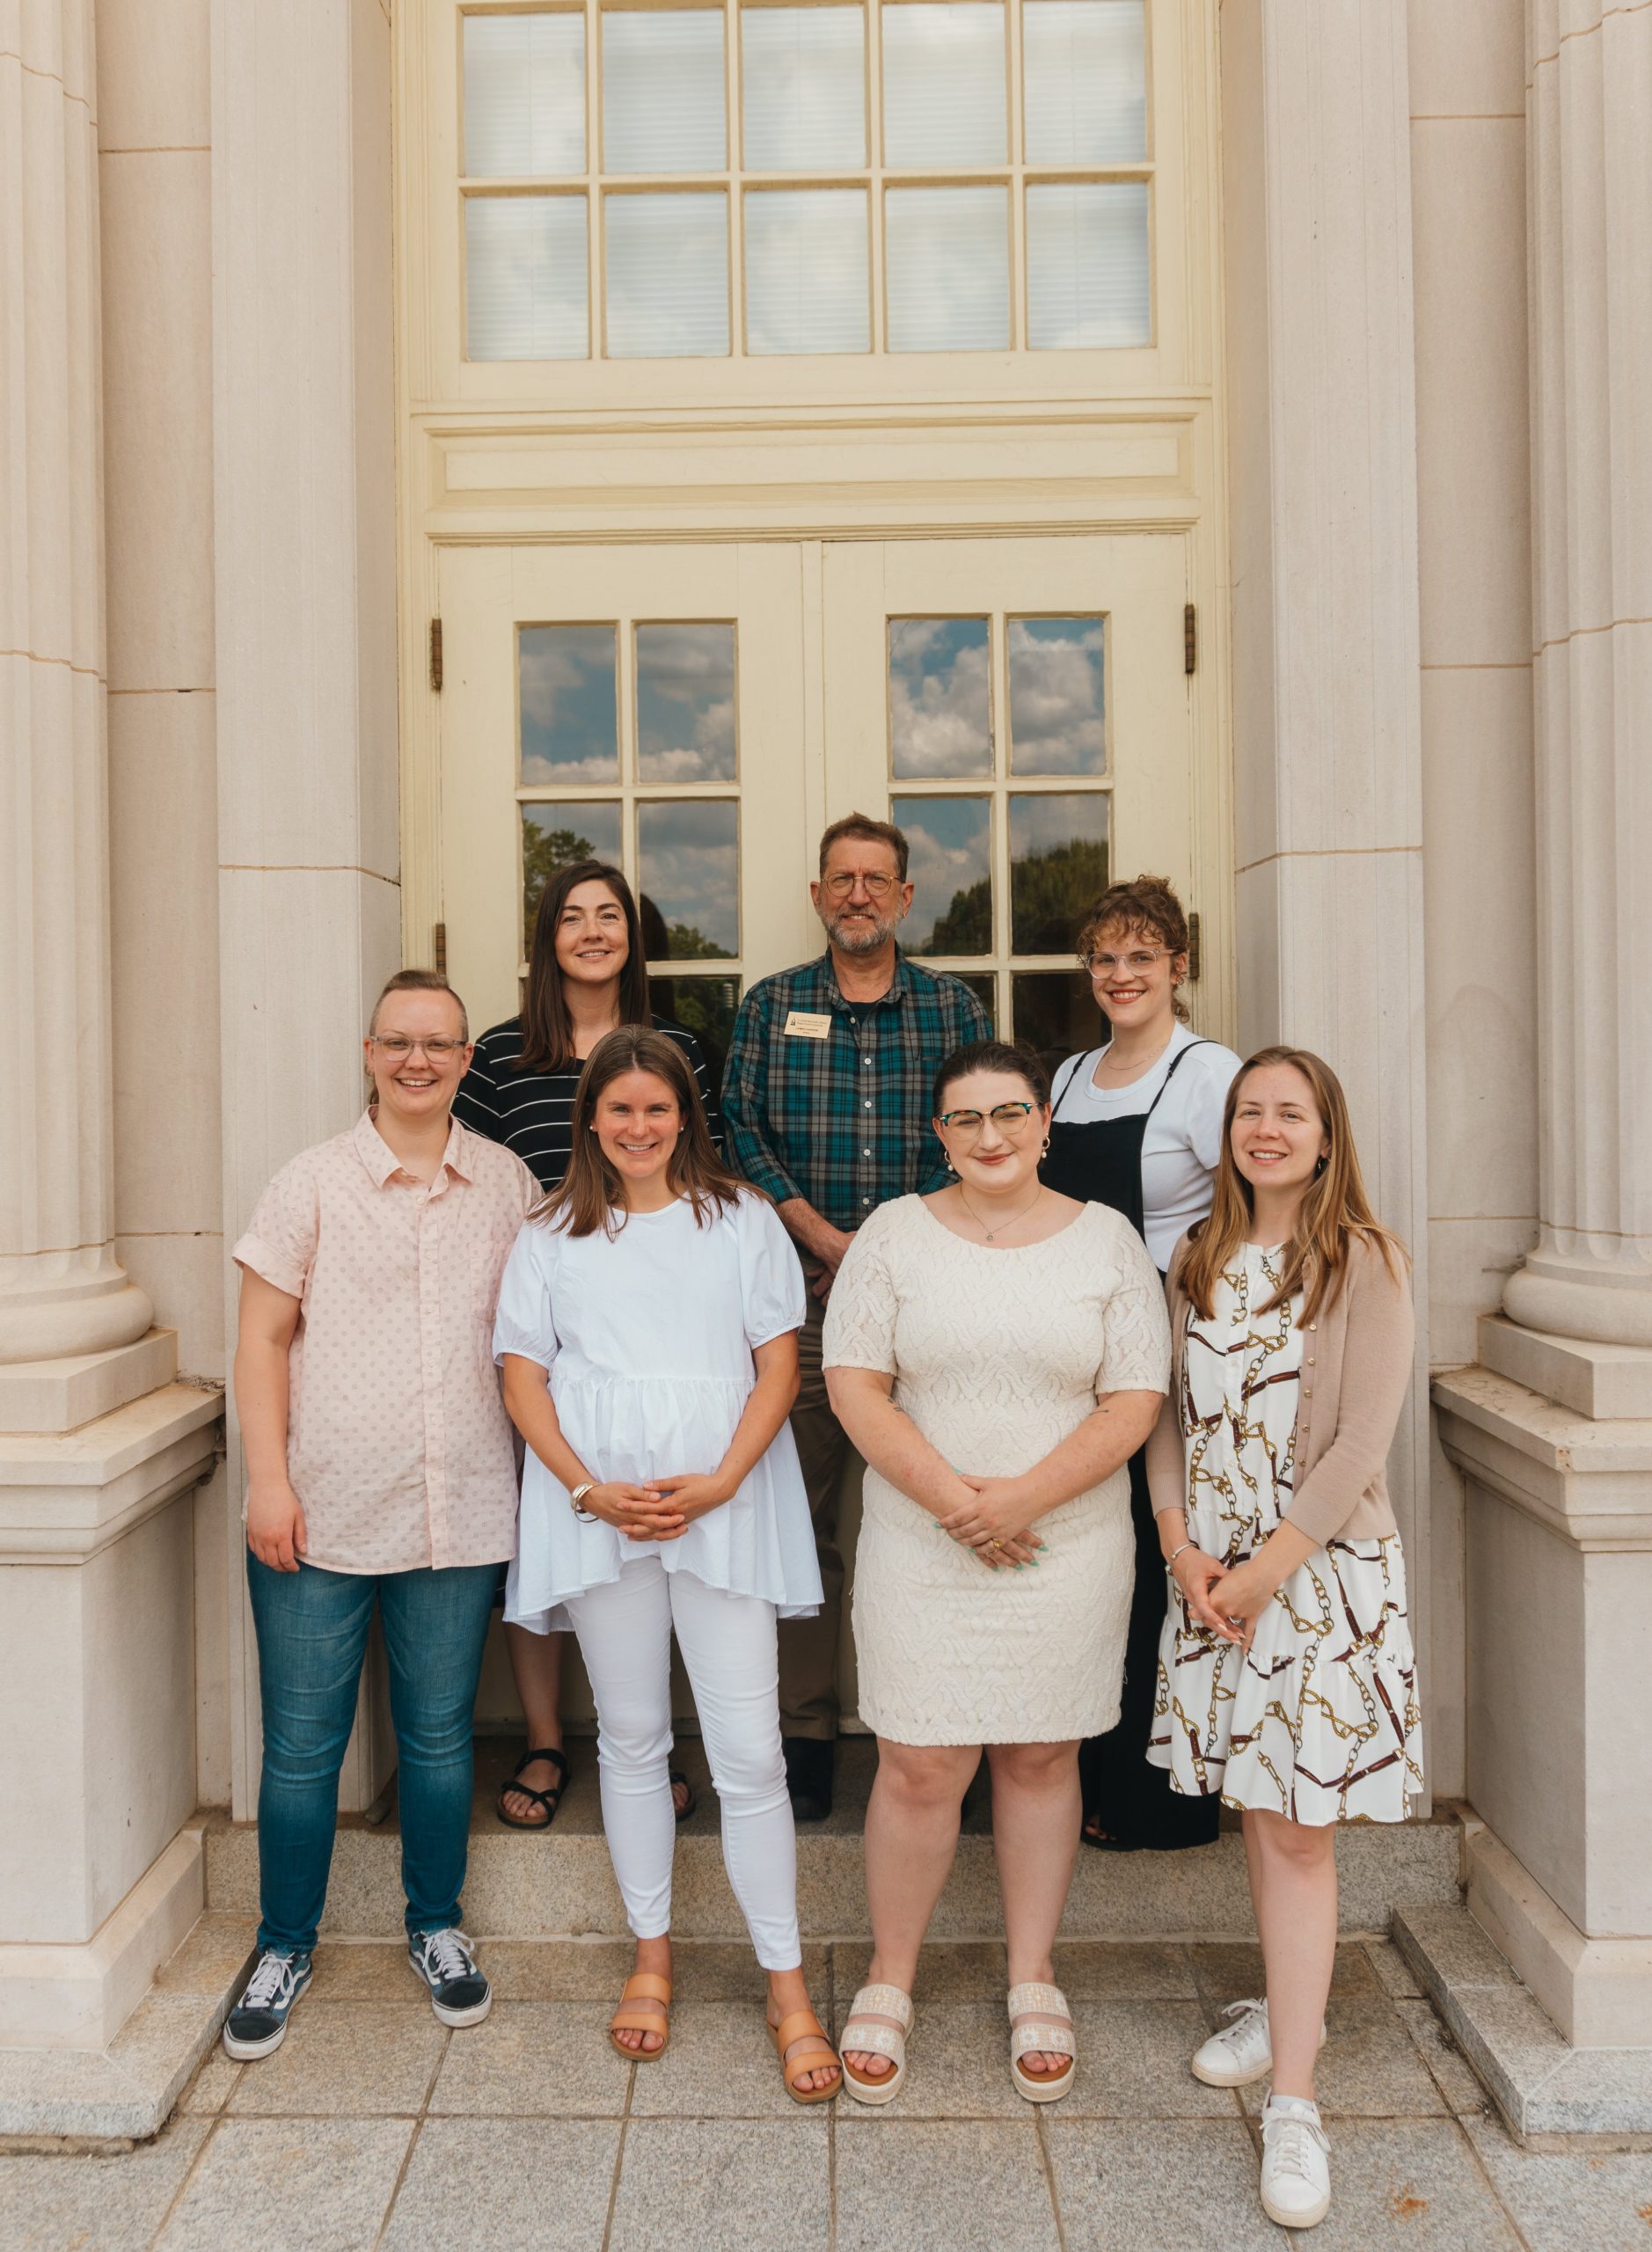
x=1208, y=1099
x=772, y=1288
x=281, y=1239
x=524, y=1324
x=860, y=1313
x=1135, y=1326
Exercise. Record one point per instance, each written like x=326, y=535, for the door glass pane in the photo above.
x=663, y=90
x=805, y=89
x=704, y=1007
x=1086, y=266
x=1056, y=721
x=668, y=275
x=943, y=84
x=1085, y=81
x=524, y=95
x=984, y=986
x=1058, y=864
x=807, y=280
x=947, y=256
x=950, y=871
x=685, y=703
x=526, y=277
x=688, y=865
x=554, y=837
x=568, y=702
x=1054, y=1012
x=941, y=699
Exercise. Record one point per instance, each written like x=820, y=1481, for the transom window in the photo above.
x=752, y=179
x=1000, y=776
x=628, y=752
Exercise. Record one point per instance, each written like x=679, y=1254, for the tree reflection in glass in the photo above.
x=554, y=837
x=1058, y=864
x=688, y=863
x=951, y=871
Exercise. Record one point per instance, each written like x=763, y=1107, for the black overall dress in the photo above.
x=1099, y=1161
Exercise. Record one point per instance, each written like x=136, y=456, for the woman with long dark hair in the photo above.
x=587, y=975
x=647, y=1329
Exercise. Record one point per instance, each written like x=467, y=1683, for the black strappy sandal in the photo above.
x=678, y=1778
x=550, y=1800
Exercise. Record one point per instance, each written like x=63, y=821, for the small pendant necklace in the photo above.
x=990, y=1232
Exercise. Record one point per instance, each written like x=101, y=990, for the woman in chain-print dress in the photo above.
x=1318, y=1720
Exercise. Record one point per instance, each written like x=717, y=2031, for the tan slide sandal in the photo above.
x=801, y=2029
x=1040, y=2020
x=878, y=2025
x=642, y=1986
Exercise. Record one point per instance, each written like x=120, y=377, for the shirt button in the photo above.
x=867, y=1104
x=865, y=1200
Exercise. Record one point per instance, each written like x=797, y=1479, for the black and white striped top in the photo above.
x=533, y=1112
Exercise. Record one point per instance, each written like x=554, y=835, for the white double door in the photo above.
x=700, y=711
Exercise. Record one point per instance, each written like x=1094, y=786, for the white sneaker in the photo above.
x=1242, y=2051
x=1296, y=2163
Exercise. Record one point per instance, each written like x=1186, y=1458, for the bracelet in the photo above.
x=586, y=1517
x=1170, y=1561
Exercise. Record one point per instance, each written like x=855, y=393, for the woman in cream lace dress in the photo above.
x=997, y=1352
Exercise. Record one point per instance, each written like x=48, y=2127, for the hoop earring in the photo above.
x=951, y=1168
x=1319, y=1168
x=1044, y=1152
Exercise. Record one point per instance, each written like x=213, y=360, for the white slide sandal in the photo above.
x=878, y=2024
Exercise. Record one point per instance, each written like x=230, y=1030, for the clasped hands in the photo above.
x=1227, y=1601
x=663, y=1509
x=995, y=1521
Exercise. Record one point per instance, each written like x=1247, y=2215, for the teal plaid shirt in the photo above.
x=844, y=1122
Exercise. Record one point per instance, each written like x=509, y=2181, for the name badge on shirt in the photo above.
x=803, y=1024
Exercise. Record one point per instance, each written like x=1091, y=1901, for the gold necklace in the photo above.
x=1108, y=1065
x=990, y=1232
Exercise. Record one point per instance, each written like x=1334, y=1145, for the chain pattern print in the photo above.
x=1318, y=1720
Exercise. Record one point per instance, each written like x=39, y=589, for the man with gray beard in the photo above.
x=826, y=1105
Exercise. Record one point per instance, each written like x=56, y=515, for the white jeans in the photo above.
x=729, y=1646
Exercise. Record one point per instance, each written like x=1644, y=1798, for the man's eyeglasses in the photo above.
x=1104, y=965
x=1008, y=1117
x=398, y=1049
x=839, y=885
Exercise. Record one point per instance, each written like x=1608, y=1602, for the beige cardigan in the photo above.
x=1356, y=1370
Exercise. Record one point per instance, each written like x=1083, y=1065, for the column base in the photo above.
x=1598, y=1991
x=80, y=1997
x=66, y=1393
x=1600, y=1381
x=1563, y=1296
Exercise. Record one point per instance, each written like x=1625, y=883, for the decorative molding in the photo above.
x=1590, y=1482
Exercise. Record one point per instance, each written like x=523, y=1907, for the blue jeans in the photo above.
x=312, y=1630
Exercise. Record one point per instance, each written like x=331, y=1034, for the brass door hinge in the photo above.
x=439, y=950
x=1189, y=638
x=1192, y=948
x=435, y=654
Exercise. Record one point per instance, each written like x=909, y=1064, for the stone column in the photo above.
x=1553, y=1427
x=99, y=1449
x=1326, y=723
x=304, y=492
x=1591, y=188
x=62, y=1292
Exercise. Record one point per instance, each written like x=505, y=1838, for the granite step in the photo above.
x=523, y=1886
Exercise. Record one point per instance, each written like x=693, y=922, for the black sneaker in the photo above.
x=442, y=1961
x=258, y=2023
x=808, y=1776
